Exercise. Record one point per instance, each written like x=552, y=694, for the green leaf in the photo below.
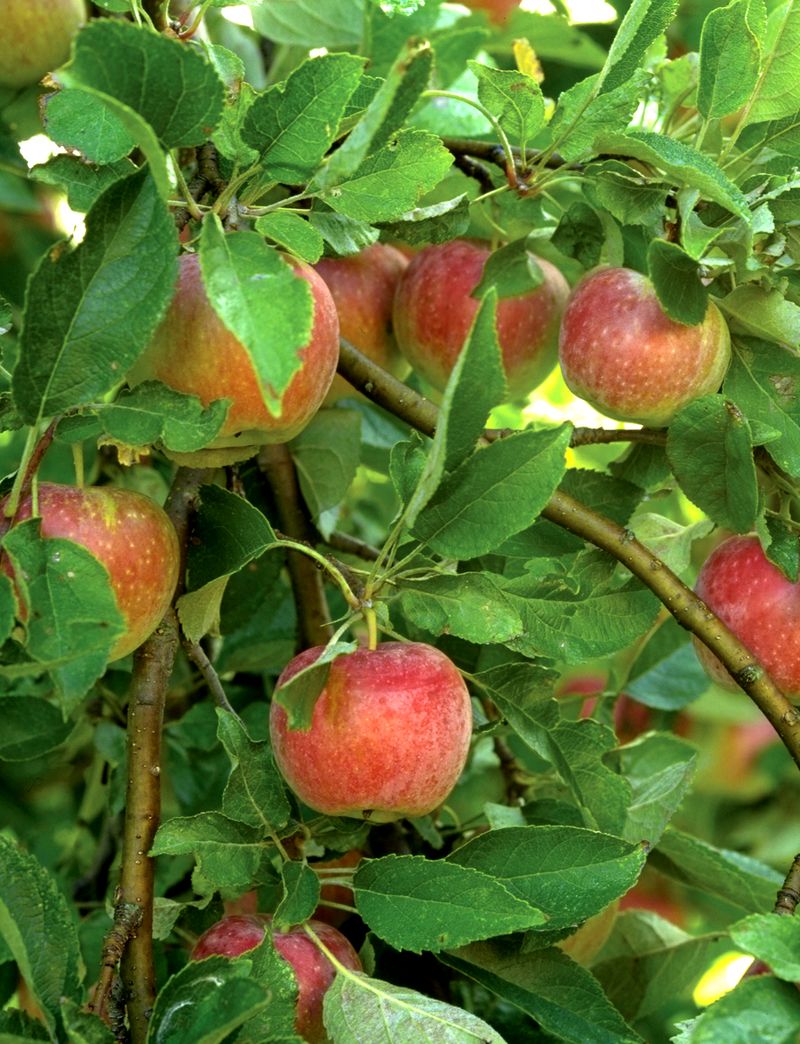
x=495, y=493
x=228, y=852
x=730, y=60
x=676, y=278
x=667, y=674
x=758, y=1009
x=643, y=22
x=710, y=448
x=511, y=270
x=625, y=193
x=420, y=904
x=293, y=124
x=102, y=130
x=393, y=101
x=764, y=381
x=763, y=313
x=298, y=695
x=343, y=235
x=777, y=92
x=745, y=883
x=359, y=1008
x=37, y=925
x=563, y=998
x=260, y=300
x=582, y=114
x=326, y=454
x=229, y=532
x=83, y=1027
x=659, y=768
x=773, y=939
x=254, y=793
x=513, y=98
x=468, y=605
x=72, y=614
x=275, y=1023
x=84, y=183
x=31, y=727
x=581, y=233
x=784, y=549
x=301, y=891
x=152, y=412
x=568, y=872
x=174, y=89
x=669, y=540
x=393, y=180
x=206, y=1001
x=293, y=233
x=8, y=608
x=90, y=312
x=684, y=165
x=308, y=23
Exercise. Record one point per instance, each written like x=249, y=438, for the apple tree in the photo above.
x=376, y=378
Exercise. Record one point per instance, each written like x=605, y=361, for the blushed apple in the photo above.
x=194, y=352
x=754, y=599
x=433, y=313
x=631, y=718
x=125, y=531
x=363, y=288
x=389, y=735
x=622, y=353
x=498, y=10
x=36, y=38
x=235, y=935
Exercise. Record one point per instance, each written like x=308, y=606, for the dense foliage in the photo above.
x=621, y=823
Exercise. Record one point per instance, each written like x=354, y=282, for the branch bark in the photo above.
x=789, y=894
x=568, y=513
x=313, y=616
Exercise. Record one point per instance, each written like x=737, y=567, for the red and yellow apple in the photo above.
x=498, y=10
x=36, y=38
x=127, y=533
x=434, y=310
x=754, y=599
x=194, y=352
x=363, y=288
x=237, y=934
x=622, y=353
x=389, y=735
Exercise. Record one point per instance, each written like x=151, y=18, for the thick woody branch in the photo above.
x=313, y=615
x=564, y=511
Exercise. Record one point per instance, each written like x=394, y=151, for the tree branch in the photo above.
x=564, y=511
x=789, y=894
x=313, y=616
x=350, y=545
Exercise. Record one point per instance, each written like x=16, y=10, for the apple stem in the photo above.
x=32, y=454
x=570, y=514
x=77, y=463
x=372, y=626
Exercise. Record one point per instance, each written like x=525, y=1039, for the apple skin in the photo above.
x=587, y=941
x=194, y=352
x=433, y=313
x=235, y=935
x=363, y=288
x=129, y=534
x=620, y=352
x=335, y=893
x=36, y=38
x=498, y=11
x=631, y=718
x=389, y=734
x=755, y=600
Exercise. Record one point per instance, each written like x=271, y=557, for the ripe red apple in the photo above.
x=235, y=935
x=36, y=38
x=752, y=596
x=194, y=352
x=433, y=312
x=363, y=288
x=631, y=718
x=620, y=351
x=389, y=734
x=335, y=893
x=129, y=534
x=497, y=10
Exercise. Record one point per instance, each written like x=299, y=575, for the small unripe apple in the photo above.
x=622, y=353
x=129, y=534
x=363, y=288
x=237, y=934
x=433, y=313
x=389, y=735
x=194, y=352
x=36, y=38
x=754, y=599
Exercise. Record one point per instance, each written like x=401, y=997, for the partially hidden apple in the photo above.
x=622, y=353
x=631, y=718
x=498, y=11
x=125, y=531
x=754, y=599
x=433, y=313
x=389, y=735
x=589, y=939
x=236, y=934
x=363, y=288
x=194, y=352
x=36, y=38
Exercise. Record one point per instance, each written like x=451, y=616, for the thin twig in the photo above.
x=350, y=545
x=197, y=655
x=789, y=894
